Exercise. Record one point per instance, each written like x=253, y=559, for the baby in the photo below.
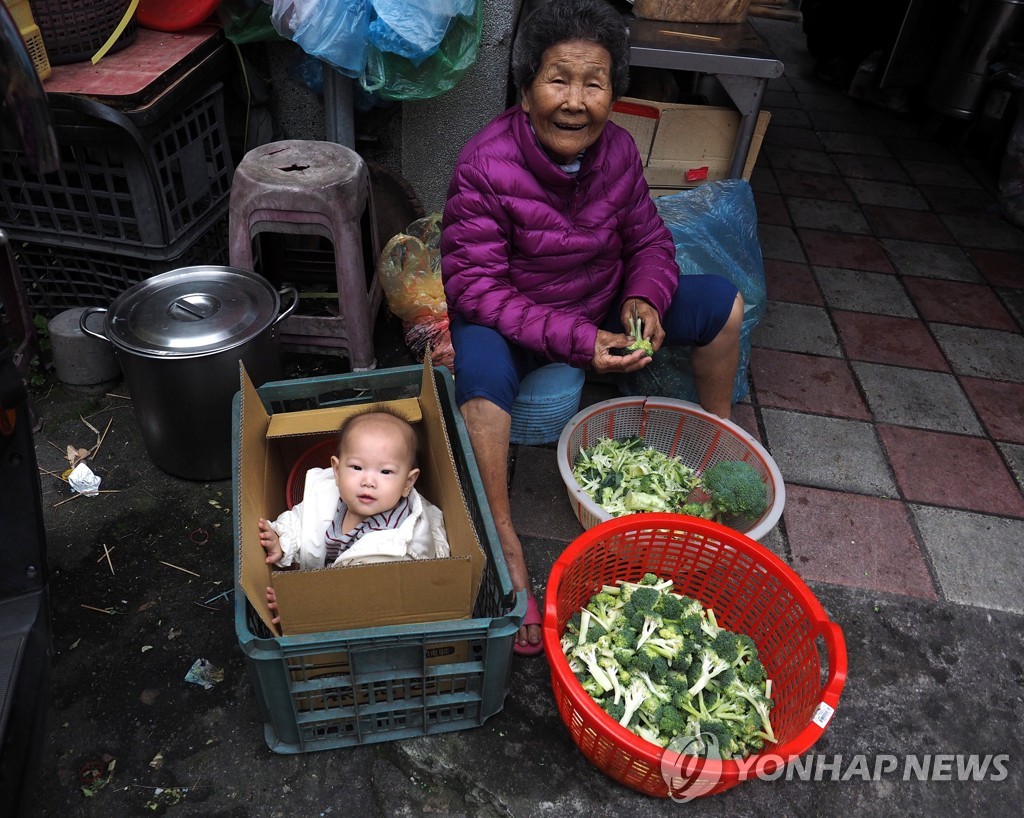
x=363, y=509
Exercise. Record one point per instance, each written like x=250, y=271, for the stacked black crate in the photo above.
x=142, y=188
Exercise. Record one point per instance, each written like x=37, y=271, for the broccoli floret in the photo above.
x=762, y=706
x=726, y=645
x=702, y=672
x=645, y=598
x=746, y=648
x=636, y=693
x=625, y=637
x=753, y=672
x=670, y=607
x=615, y=709
x=736, y=489
x=636, y=330
x=704, y=510
x=588, y=655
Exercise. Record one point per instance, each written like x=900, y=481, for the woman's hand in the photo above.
x=649, y=319
x=608, y=357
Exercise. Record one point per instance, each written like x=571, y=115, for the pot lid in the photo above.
x=192, y=311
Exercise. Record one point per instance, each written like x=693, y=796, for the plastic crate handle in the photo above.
x=97, y=110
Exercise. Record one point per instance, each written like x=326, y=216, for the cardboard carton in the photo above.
x=359, y=596
x=683, y=146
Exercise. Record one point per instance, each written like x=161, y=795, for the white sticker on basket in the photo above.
x=823, y=715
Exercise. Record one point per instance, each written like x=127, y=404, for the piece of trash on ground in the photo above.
x=95, y=775
x=204, y=673
x=83, y=480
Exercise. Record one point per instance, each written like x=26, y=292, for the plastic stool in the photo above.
x=547, y=400
x=306, y=187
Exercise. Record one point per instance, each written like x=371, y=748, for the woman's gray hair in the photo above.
x=558, y=21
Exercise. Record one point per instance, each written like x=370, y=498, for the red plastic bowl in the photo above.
x=751, y=591
x=174, y=15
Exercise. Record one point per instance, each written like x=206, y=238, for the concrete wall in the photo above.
x=434, y=131
x=419, y=140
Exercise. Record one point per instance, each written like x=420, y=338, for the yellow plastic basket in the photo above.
x=21, y=12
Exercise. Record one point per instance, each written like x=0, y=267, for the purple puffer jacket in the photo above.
x=543, y=256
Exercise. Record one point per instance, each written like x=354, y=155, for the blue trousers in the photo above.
x=487, y=365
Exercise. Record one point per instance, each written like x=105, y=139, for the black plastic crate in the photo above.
x=144, y=178
x=58, y=277
x=74, y=30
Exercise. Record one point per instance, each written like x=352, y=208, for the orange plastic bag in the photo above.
x=410, y=274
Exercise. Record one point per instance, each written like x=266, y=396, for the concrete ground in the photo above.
x=887, y=380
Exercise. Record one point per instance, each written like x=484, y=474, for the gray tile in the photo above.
x=796, y=328
x=1014, y=302
x=940, y=173
x=884, y=168
x=918, y=258
x=787, y=158
x=780, y=243
x=815, y=101
x=539, y=500
x=988, y=233
x=917, y=398
x=841, y=123
x=819, y=214
x=978, y=559
x=889, y=194
x=984, y=353
x=859, y=291
x=828, y=453
x=858, y=143
x=789, y=117
x=1014, y=455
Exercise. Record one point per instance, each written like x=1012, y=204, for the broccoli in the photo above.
x=736, y=489
x=636, y=693
x=726, y=645
x=702, y=672
x=703, y=510
x=636, y=330
x=660, y=665
x=753, y=672
x=588, y=655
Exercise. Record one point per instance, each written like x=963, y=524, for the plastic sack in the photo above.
x=410, y=275
x=333, y=30
x=413, y=28
x=714, y=227
x=393, y=77
x=246, y=21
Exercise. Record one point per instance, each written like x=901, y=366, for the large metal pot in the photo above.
x=179, y=337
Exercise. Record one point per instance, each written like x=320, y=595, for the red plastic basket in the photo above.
x=316, y=456
x=751, y=591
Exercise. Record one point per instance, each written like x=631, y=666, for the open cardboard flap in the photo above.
x=357, y=596
x=676, y=140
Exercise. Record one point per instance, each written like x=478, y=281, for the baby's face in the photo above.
x=374, y=469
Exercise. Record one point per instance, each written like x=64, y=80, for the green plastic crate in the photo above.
x=347, y=688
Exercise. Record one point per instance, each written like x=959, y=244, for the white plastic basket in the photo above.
x=676, y=428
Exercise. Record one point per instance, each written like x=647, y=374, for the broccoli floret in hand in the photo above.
x=736, y=489
x=636, y=330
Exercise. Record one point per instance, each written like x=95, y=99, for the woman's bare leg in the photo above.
x=490, y=428
x=714, y=365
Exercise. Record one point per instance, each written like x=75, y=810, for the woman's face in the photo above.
x=570, y=99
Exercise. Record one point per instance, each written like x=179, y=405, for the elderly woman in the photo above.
x=550, y=239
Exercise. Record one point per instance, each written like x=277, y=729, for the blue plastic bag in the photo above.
x=389, y=76
x=714, y=227
x=413, y=28
x=334, y=31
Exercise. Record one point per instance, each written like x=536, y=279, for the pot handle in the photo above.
x=294, y=293
x=84, y=317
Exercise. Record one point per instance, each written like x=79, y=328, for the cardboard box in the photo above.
x=677, y=142
x=360, y=596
